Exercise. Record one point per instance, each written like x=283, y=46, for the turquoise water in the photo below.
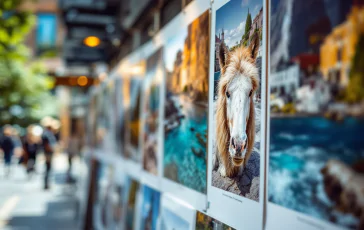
x=299, y=148
x=191, y=170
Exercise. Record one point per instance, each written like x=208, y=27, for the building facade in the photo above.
x=339, y=46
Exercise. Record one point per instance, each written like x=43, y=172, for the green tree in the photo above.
x=248, y=25
x=355, y=90
x=24, y=84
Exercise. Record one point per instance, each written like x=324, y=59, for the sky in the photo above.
x=172, y=48
x=231, y=17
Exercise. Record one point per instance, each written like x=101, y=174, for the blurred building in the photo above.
x=338, y=49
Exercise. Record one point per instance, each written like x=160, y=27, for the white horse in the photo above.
x=235, y=118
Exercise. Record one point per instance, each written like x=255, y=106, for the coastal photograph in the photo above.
x=236, y=106
x=204, y=222
x=132, y=121
x=151, y=108
x=150, y=208
x=316, y=158
x=186, y=58
x=172, y=221
x=130, y=197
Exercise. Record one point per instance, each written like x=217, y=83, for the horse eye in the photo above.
x=251, y=91
x=227, y=94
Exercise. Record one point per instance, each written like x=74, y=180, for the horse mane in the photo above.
x=239, y=61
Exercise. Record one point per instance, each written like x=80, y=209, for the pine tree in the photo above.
x=248, y=25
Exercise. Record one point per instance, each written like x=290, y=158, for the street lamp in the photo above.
x=91, y=41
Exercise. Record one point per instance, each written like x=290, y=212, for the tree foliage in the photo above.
x=24, y=84
x=355, y=89
x=248, y=25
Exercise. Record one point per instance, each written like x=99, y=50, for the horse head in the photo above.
x=235, y=107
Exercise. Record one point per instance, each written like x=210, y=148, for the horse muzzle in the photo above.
x=237, y=161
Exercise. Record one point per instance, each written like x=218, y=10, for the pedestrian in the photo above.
x=7, y=145
x=73, y=148
x=30, y=149
x=48, y=143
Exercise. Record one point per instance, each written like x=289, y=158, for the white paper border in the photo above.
x=179, y=208
x=231, y=209
x=182, y=20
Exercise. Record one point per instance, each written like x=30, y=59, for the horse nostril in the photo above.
x=232, y=142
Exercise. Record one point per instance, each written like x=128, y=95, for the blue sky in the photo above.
x=172, y=47
x=231, y=17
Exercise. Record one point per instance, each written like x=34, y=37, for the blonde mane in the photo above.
x=239, y=62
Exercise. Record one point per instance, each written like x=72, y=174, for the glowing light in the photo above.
x=82, y=80
x=92, y=41
x=102, y=76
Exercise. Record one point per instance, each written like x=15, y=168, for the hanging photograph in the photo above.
x=150, y=208
x=316, y=154
x=130, y=197
x=151, y=113
x=175, y=215
x=101, y=210
x=132, y=121
x=204, y=222
x=237, y=112
x=186, y=58
x=117, y=201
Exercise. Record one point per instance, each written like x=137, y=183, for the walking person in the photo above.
x=7, y=145
x=30, y=149
x=48, y=142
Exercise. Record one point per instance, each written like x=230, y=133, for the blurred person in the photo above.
x=7, y=145
x=74, y=147
x=31, y=144
x=48, y=143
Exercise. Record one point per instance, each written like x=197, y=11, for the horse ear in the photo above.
x=223, y=55
x=254, y=46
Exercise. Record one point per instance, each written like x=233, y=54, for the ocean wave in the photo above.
x=292, y=137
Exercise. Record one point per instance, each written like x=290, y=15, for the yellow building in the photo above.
x=338, y=48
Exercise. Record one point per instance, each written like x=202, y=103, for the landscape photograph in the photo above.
x=151, y=108
x=316, y=157
x=150, y=208
x=132, y=121
x=236, y=128
x=204, y=222
x=172, y=221
x=186, y=58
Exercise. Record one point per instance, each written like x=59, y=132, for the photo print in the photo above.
x=102, y=215
x=103, y=122
x=186, y=58
x=91, y=121
x=151, y=112
x=132, y=120
x=150, y=208
x=204, y=222
x=316, y=155
x=176, y=215
x=130, y=197
x=236, y=127
x=172, y=221
x=116, y=200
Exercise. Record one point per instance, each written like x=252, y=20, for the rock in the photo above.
x=254, y=190
x=345, y=187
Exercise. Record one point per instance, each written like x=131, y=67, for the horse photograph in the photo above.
x=236, y=101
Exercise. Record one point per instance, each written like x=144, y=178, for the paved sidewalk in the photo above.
x=24, y=205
